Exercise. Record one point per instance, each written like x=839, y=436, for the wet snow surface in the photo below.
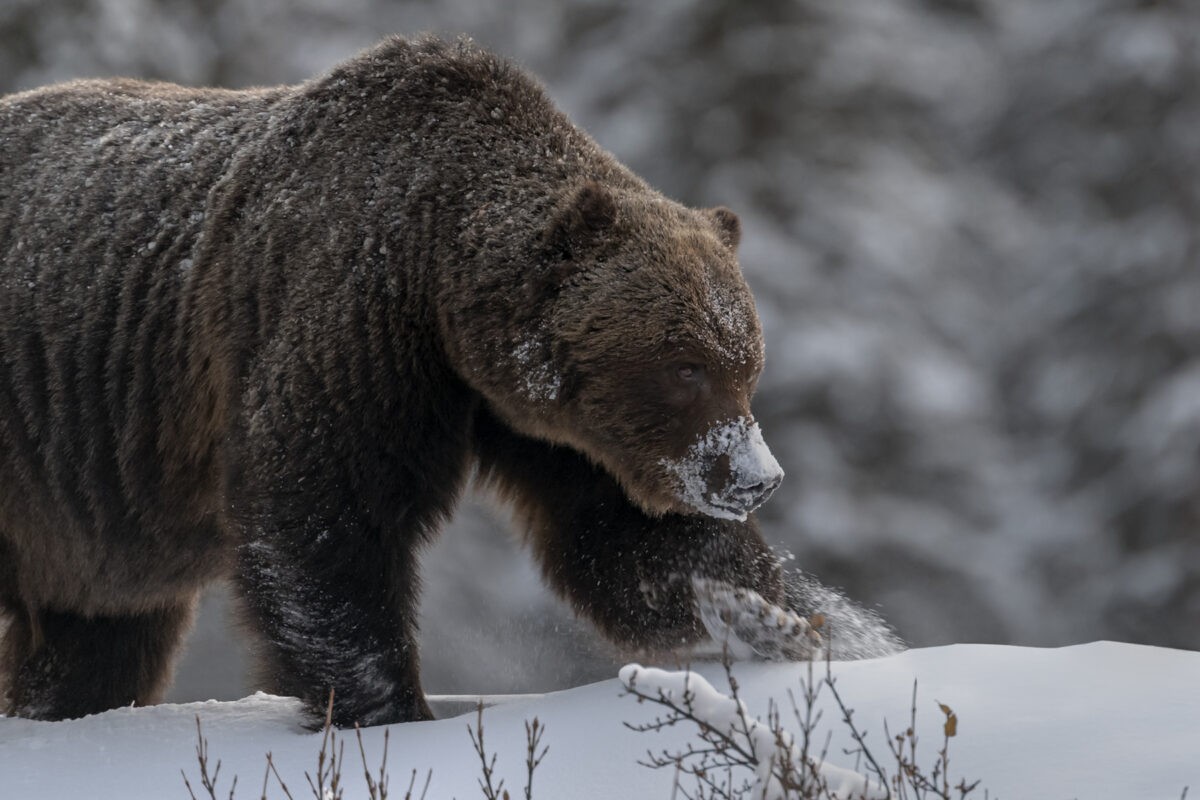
x=1092, y=722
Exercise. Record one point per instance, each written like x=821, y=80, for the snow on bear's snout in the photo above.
x=728, y=472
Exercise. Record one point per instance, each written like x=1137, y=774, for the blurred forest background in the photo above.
x=973, y=229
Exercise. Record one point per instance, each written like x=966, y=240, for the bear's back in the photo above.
x=103, y=188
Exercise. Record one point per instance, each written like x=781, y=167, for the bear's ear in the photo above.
x=729, y=227
x=580, y=218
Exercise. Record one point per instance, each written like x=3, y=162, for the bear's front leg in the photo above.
x=647, y=582
x=332, y=505
x=331, y=618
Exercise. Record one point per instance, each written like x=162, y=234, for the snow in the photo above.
x=732, y=321
x=1096, y=722
x=728, y=716
x=540, y=382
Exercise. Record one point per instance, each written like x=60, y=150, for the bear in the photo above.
x=270, y=335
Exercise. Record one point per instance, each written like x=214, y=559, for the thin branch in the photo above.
x=533, y=739
x=490, y=792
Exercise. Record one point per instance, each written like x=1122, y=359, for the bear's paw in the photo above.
x=752, y=627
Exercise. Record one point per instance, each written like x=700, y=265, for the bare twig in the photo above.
x=860, y=739
x=713, y=764
x=328, y=783
x=412, y=781
x=533, y=740
x=490, y=791
x=207, y=781
x=796, y=769
x=266, y=778
x=275, y=771
x=376, y=788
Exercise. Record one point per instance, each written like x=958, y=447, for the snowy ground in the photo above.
x=1091, y=722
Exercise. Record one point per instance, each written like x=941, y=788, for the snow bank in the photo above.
x=731, y=719
x=1096, y=722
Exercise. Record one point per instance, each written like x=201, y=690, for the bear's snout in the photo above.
x=729, y=472
x=753, y=472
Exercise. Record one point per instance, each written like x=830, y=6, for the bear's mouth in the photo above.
x=748, y=498
x=738, y=503
x=721, y=510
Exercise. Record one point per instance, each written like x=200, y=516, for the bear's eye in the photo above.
x=682, y=383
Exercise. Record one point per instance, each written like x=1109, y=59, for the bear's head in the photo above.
x=637, y=343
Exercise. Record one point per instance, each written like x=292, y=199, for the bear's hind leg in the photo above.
x=62, y=665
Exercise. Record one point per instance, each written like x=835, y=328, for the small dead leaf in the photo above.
x=951, y=726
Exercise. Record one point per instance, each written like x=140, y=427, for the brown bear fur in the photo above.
x=270, y=333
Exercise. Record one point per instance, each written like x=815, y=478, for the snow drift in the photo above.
x=1101, y=721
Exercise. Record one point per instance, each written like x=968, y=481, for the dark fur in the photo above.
x=270, y=332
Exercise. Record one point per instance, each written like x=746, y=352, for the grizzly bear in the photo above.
x=271, y=334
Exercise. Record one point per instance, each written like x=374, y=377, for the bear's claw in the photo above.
x=751, y=626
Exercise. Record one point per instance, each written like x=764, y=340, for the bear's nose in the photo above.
x=753, y=496
x=753, y=471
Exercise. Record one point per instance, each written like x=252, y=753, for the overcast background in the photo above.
x=972, y=227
